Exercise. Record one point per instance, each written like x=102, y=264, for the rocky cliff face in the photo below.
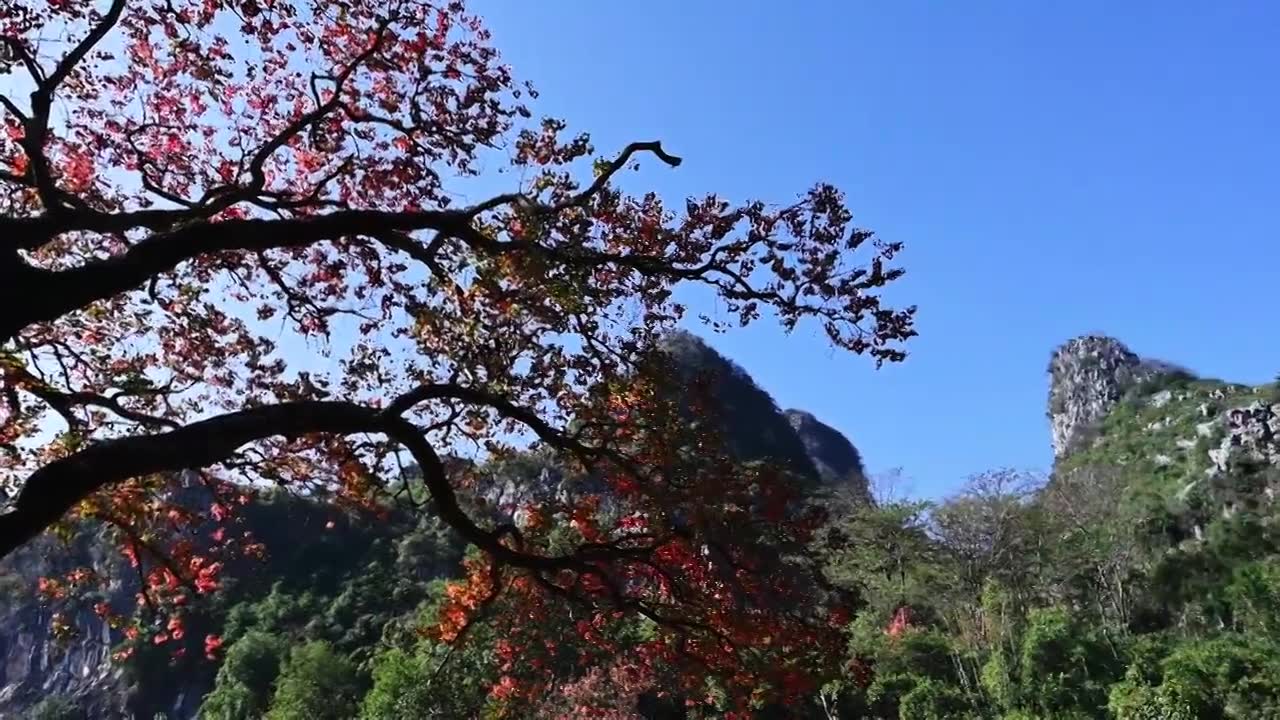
x=758, y=430
x=750, y=421
x=1088, y=376
x=35, y=665
x=1251, y=433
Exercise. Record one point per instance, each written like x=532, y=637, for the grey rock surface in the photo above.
x=837, y=461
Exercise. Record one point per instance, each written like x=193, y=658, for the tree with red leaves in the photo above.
x=227, y=247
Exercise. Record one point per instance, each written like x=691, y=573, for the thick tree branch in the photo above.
x=14, y=110
x=473, y=396
x=41, y=295
x=50, y=492
x=34, y=295
x=30, y=295
x=46, y=295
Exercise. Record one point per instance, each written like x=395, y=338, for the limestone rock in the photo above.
x=34, y=665
x=1180, y=434
x=1252, y=432
x=1088, y=376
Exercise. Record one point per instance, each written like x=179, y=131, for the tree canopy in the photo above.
x=231, y=257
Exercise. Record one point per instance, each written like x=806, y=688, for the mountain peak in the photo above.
x=834, y=457
x=1088, y=375
x=758, y=429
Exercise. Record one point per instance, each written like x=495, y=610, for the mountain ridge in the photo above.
x=1166, y=431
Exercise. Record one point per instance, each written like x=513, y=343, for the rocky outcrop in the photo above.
x=1245, y=463
x=509, y=487
x=1166, y=430
x=836, y=459
x=750, y=422
x=1250, y=433
x=35, y=664
x=1088, y=376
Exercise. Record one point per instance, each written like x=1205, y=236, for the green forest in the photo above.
x=1107, y=590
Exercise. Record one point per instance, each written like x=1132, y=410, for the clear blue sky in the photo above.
x=1054, y=168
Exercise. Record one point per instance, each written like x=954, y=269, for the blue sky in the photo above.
x=1054, y=169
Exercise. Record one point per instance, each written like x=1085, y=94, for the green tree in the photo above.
x=1254, y=595
x=883, y=552
x=432, y=680
x=1228, y=677
x=401, y=688
x=245, y=681
x=932, y=699
x=316, y=684
x=1065, y=666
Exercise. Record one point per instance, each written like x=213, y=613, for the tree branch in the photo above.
x=433, y=474
x=612, y=168
x=302, y=122
x=42, y=295
x=28, y=60
x=37, y=127
x=78, y=53
x=50, y=492
x=580, y=199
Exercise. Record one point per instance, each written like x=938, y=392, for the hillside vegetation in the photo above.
x=1140, y=581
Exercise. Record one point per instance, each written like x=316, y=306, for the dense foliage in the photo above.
x=506, y=489
x=992, y=604
x=1094, y=594
x=1127, y=586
